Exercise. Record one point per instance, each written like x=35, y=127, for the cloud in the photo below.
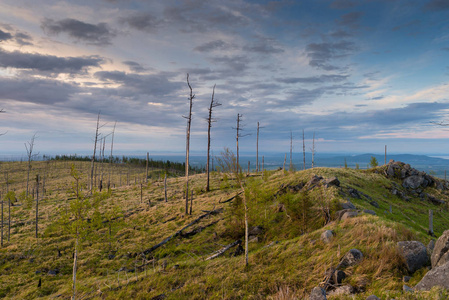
x=314, y=79
x=99, y=34
x=235, y=63
x=321, y=53
x=216, y=45
x=41, y=91
x=4, y=36
x=437, y=5
x=143, y=21
x=406, y=25
x=23, y=39
x=132, y=85
x=135, y=67
x=47, y=63
x=339, y=34
x=351, y=19
x=264, y=45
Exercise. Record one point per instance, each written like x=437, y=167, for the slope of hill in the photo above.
x=133, y=244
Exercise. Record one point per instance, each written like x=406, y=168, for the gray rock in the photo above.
x=430, y=247
x=440, y=254
x=369, y=211
x=354, y=194
x=327, y=236
x=353, y=257
x=438, y=276
x=414, y=254
x=349, y=214
x=342, y=290
x=406, y=278
x=53, y=272
x=406, y=288
x=374, y=203
x=348, y=205
x=372, y=297
x=413, y=182
x=318, y=293
x=333, y=181
x=339, y=213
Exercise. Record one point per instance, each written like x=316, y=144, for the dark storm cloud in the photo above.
x=96, y=34
x=314, y=79
x=135, y=67
x=36, y=90
x=343, y=4
x=437, y=5
x=4, y=36
x=143, y=21
x=321, y=53
x=47, y=63
x=135, y=84
x=351, y=19
x=214, y=46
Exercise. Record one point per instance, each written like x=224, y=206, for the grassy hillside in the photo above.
x=286, y=259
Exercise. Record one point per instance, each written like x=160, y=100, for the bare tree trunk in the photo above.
x=37, y=203
x=165, y=187
x=2, y=222
x=263, y=163
x=29, y=149
x=210, y=121
x=189, y=122
x=75, y=259
x=111, y=157
x=303, y=149
x=285, y=160
x=93, y=156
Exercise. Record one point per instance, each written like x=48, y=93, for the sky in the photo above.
x=358, y=75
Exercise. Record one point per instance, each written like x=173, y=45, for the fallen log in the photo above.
x=230, y=199
x=224, y=249
x=199, y=229
x=166, y=240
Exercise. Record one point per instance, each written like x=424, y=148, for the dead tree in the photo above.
x=2, y=223
x=97, y=134
x=37, y=203
x=210, y=120
x=29, y=149
x=146, y=167
x=313, y=150
x=239, y=135
x=257, y=149
x=189, y=122
x=111, y=157
x=291, y=151
x=303, y=149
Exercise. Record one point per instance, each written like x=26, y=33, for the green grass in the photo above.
x=295, y=262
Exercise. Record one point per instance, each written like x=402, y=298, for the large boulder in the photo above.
x=333, y=181
x=327, y=236
x=440, y=253
x=414, y=254
x=318, y=293
x=348, y=215
x=414, y=182
x=351, y=258
x=436, y=277
x=342, y=290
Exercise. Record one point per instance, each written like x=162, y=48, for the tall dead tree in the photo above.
x=210, y=120
x=291, y=151
x=37, y=203
x=146, y=167
x=97, y=134
x=257, y=149
x=111, y=157
x=238, y=135
x=303, y=149
x=29, y=146
x=189, y=122
x=2, y=223
x=313, y=150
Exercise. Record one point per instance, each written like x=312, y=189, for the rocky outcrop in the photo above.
x=333, y=181
x=440, y=253
x=411, y=178
x=414, y=254
x=318, y=293
x=436, y=277
x=348, y=215
x=327, y=236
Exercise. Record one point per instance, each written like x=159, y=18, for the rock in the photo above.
x=318, y=293
x=348, y=205
x=369, y=211
x=327, y=236
x=434, y=200
x=430, y=247
x=340, y=213
x=349, y=214
x=375, y=204
x=333, y=181
x=414, y=254
x=417, y=181
x=353, y=257
x=313, y=181
x=338, y=277
x=436, y=277
x=256, y=230
x=354, y=193
x=53, y=272
x=342, y=290
x=406, y=288
x=372, y=297
x=406, y=278
x=440, y=254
